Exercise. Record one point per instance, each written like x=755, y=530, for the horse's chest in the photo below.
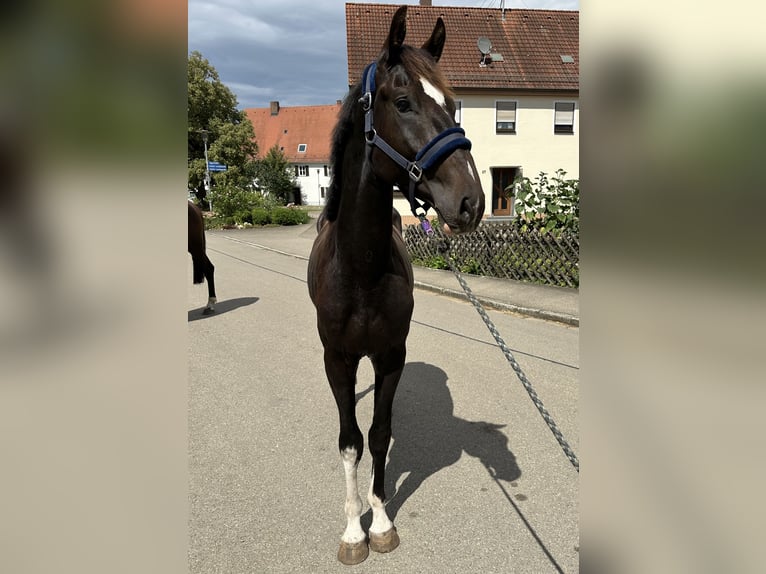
x=371, y=320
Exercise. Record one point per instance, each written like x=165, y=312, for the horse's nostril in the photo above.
x=466, y=209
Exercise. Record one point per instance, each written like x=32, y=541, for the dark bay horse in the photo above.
x=395, y=128
x=203, y=268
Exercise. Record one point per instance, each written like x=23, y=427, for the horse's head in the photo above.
x=413, y=107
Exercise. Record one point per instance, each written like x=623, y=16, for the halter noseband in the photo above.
x=440, y=146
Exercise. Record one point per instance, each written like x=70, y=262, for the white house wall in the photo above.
x=534, y=147
x=312, y=184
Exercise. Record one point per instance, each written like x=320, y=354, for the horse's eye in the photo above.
x=403, y=105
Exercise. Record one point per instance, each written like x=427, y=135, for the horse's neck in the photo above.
x=364, y=222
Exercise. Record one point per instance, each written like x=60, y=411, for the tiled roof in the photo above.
x=531, y=42
x=310, y=125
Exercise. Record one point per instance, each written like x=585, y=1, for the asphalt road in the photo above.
x=476, y=480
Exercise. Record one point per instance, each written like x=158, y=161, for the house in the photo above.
x=515, y=74
x=303, y=134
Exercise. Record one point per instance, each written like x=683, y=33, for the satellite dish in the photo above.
x=484, y=45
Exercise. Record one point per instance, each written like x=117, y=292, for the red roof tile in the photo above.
x=530, y=41
x=310, y=125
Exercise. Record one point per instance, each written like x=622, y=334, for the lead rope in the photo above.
x=443, y=247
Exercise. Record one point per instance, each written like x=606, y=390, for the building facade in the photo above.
x=303, y=135
x=515, y=76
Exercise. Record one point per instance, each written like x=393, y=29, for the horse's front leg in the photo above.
x=341, y=372
x=388, y=371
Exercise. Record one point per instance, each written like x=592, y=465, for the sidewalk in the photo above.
x=542, y=301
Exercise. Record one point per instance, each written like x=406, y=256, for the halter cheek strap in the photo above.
x=439, y=147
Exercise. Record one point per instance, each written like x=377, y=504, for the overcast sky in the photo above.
x=293, y=51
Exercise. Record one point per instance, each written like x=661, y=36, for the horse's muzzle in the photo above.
x=471, y=212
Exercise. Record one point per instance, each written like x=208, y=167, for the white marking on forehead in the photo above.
x=434, y=92
x=470, y=170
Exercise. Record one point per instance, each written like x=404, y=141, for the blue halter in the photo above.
x=439, y=147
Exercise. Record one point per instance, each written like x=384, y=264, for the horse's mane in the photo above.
x=341, y=135
x=417, y=63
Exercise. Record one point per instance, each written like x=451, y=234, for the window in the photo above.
x=458, y=111
x=327, y=171
x=323, y=192
x=301, y=148
x=301, y=171
x=505, y=117
x=563, y=118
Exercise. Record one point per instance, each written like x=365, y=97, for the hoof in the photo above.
x=385, y=542
x=350, y=554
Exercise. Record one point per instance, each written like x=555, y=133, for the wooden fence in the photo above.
x=501, y=249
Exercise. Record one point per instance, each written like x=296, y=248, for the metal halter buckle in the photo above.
x=366, y=101
x=415, y=172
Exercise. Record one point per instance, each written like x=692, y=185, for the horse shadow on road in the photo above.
x=222, y=307
x=429, y=437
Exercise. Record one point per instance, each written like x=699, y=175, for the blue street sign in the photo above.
x=215, y=166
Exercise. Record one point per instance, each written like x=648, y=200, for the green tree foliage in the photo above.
x=212, y=106
x=547, y=204
x=275, y=177
x=235, y=147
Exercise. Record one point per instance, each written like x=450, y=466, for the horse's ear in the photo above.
x=396, y=35
x=435, y=43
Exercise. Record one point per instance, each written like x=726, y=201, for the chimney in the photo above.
x=338, y=102
x=425, y=2
x=274, y=108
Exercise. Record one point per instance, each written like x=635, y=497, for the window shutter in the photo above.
x=565, y=114
x=506, y=112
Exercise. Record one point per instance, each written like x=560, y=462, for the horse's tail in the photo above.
x=199, y=268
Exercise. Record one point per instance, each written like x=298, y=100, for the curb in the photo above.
x=499, y=306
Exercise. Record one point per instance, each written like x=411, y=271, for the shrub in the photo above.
x=260, y=216
x=213, y=222
x=288, y=216
x=231, y=201
x=432, y=262
x=471, y=265
x=242, y=217
x=301, y=216
x=548, y=204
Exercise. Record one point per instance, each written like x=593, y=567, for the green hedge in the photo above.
x=260, y=216
x=288, y=216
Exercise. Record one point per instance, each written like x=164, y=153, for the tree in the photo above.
x=235, y=147
x=212, y=106
x=275, y=176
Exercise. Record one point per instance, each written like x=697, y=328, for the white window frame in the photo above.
x=458, y=111
x=303, y=170
x=302, y=148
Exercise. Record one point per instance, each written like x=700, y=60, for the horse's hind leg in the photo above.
x=341, y=372
x=209, y=272
x=388, y=371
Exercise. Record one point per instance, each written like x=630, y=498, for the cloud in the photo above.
x=293, y=51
